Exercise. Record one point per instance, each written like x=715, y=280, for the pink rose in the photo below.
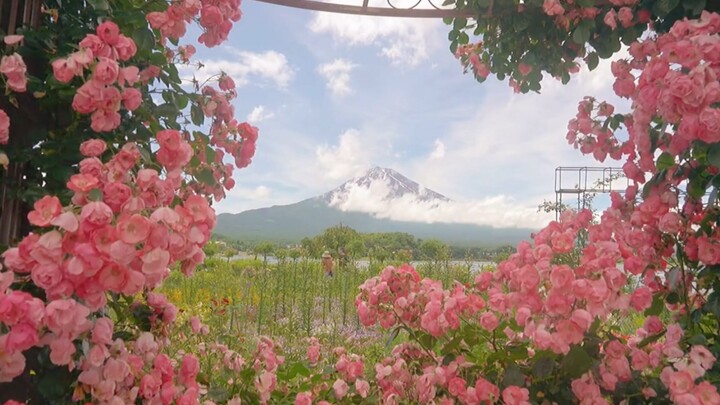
x=303, y=398
x=706, y=393
x=226, y=83
x=45, y=211
x=96, y=45
x=610, y=19
x=653, y=325
x=109, y=32
x=106, y=71
x=132, y=98
x=104, y=121
x=513, y=395
x=133, y=229
x=125, y=48
x=93, y=147
x=4, y=127
x=12, y=363
x=62, y=71
x=13, y=39
x=362, y=387
x=96, y=213
x=128, y=75
x=155, y=261
x=641, y=299
x=13, y=67
x=625, y=15
x=22, y=337
x=553, y=8
x=61, y=351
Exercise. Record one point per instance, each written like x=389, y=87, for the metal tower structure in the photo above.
x=580, y=183
x=379, y=8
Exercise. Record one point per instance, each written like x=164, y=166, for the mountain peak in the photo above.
x=383, y=180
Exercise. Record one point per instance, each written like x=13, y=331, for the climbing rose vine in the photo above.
x=80, y=320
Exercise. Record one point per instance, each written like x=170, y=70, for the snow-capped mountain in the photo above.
x=382, y=184
x=382, y=200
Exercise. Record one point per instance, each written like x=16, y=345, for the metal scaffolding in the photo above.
x=583, y=182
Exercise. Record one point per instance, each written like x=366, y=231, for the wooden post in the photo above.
x=23, y=115
x=23, y=118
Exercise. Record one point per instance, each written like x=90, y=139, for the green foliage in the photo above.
x=512, y=33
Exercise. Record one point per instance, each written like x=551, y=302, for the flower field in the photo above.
x=289, y=301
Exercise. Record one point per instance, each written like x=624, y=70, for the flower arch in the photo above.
x=122, y=167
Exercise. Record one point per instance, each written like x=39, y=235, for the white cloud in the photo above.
x=349, y=158
x=244, y=68
x=498, y=211
x=405, y=41
x=439, y=150
x=259, y=114
x=337, y=75
x=259, y=193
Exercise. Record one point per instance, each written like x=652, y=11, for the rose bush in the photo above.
x=79, y=318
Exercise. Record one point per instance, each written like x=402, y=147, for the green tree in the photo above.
x=264, y=249
x=434, y=251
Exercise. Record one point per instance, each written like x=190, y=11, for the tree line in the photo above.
x=345, y=243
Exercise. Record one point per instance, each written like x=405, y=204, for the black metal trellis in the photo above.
x=580, y=182
x=390, y=8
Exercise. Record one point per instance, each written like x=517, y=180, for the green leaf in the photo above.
x=543, y=367
x=463, y=38
x=651, y=339
x=459, y=23
x=55, y=385
x=581, y=34
x=576, y=362
x=713, y=304
x=100, y=5
x=197, y=115
x=662, y=8
x=95, y=195
x=210, y=153
x=144, y=39
x=593, y=60
x=695, y=7
x=698, y=339
x=205, y=176
x=167, y=110
x=513, y=376
x=181, y=101
x=713, y=154
x=298, y=369
x=393, y=335
x=218, y=394
x=665, y=161
x=658, y=303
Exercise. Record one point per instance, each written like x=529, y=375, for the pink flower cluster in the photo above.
x=109, y=85
x=677, y=83
x=121, y=236
x=216, y=17
x=114, y=372
x=227, y=136
x=265, y=364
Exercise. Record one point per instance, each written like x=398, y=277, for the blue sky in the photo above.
x=334, y=95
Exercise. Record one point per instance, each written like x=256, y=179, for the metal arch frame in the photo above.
x=365, y=9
